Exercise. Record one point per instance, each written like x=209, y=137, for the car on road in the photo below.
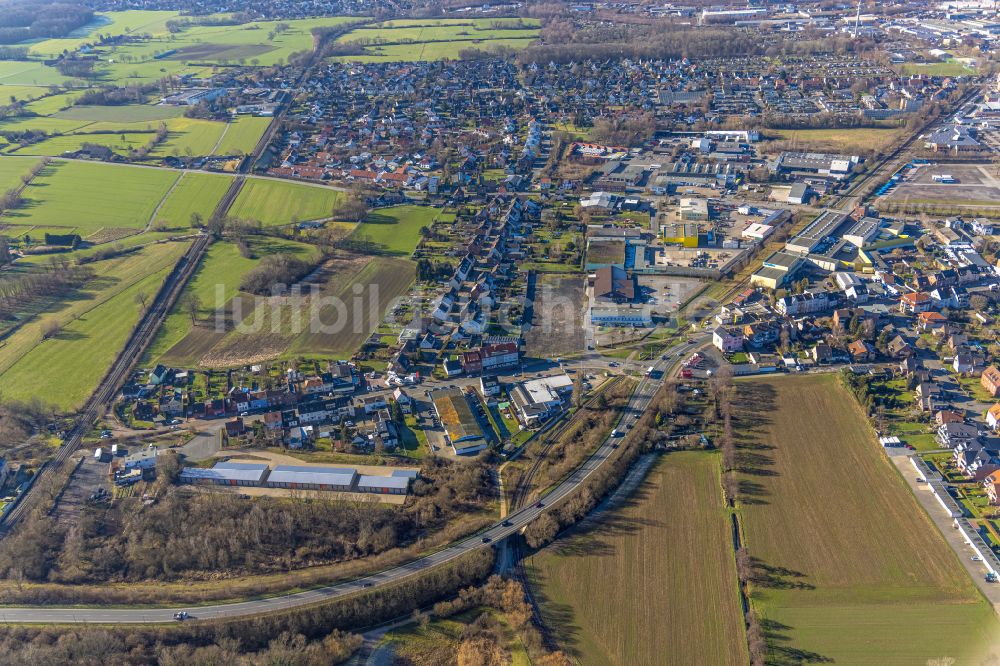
x=506, y=523
x=367, y=584
x=180, y=616
x=976, y=558
x=486, y=539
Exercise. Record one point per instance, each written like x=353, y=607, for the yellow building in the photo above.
x=680, y=234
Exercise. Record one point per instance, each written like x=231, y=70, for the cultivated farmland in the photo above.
x=276, y=202
x=847, y=565
x=242, y=135
x=369, y=292
x=214, y=284
x=88, y=197
x=654, y=580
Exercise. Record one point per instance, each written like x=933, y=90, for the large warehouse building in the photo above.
x=299, y=477
x=460, y=425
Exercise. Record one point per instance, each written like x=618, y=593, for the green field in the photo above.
x=65, y=370
x=215, y=283
x=127, y=113
x=195, y=49
x=92, y=196
x=21, y=93
x=436, y=39
x=107, y=23
x=50, y=104
x=58, y=146
x=276, y=202
x=242, y=135
x=395, y=230
x=851, y=569
x=193, y=193
x=29, y=73
x=652, y=582
x=11, y=170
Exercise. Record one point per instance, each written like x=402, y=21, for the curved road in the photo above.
x=640, y=400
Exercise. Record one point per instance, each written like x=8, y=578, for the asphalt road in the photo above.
x=640, y=400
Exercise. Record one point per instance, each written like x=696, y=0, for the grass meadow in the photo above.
x=396, y=230
x=242, y=135
x=851, y=569
x=193, y=193
x=276, y=202
x=436, y=39
x=89, y=197
x=96, y=323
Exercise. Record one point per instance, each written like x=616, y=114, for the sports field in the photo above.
x=850, y=568
x=89, y=196
x=654, y=580
x=276, y=202
x=395, y=230
x=65, y=370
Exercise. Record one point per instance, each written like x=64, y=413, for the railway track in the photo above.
x=104, y=396
x=520, y=491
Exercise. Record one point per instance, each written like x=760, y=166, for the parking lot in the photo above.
x=974, y=185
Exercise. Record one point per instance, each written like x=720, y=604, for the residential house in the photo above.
x=991, y=380
x=727, y=340
x=955, y=435
x=914, y=302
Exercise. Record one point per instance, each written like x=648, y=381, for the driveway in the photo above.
x=943, y=520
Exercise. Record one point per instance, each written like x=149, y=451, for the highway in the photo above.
x=638, y=403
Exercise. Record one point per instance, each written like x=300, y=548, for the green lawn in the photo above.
x=395, y=230
x=64, y=370
x=92, y=196
x=194, y=193
x=276, y=202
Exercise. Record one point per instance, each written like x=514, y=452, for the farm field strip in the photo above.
x=835, y=533
x=93, y=196
x=67, y=367
x=654, y=580
x=276, y=202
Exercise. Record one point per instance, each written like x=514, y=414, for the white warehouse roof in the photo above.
x=368, y=481
x=227, y=471
x=330, y=476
